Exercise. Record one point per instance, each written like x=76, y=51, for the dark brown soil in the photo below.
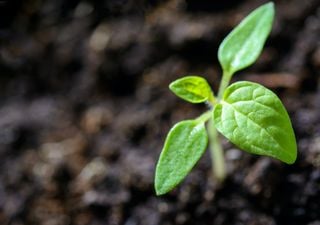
x=85, y=109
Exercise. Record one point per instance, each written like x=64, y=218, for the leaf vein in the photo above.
x=262, y=128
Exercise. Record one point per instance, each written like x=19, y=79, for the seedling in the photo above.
x=248, y=114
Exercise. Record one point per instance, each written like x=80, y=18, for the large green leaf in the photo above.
x=253, y=118
x=185, y=144
x=244, y=44
x=193, y=89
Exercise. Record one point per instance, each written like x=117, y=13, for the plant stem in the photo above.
x=217, y=156
x=224, y=84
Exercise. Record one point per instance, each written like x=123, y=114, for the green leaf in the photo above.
x=193, y=89
x=253, y=118
x=244, y=44
x=185, y=144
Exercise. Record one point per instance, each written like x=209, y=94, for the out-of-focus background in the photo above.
x=85, y=108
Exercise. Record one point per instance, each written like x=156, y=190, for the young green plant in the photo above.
x=248, y=114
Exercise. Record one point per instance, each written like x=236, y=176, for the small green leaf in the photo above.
x=193, y=89
x=244, y=44
x=253, y=118
x=185, y=144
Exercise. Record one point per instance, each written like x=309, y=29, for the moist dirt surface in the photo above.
x=85, y=108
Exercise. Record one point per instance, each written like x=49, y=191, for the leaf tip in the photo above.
x=267, y=6
x=159, y=192
x=292, y=151
x=292, y=159
x=270, y=5
x=159, y=188
x=270, y=8
x=171, y=86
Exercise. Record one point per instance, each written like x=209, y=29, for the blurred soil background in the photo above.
x=85, y=108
